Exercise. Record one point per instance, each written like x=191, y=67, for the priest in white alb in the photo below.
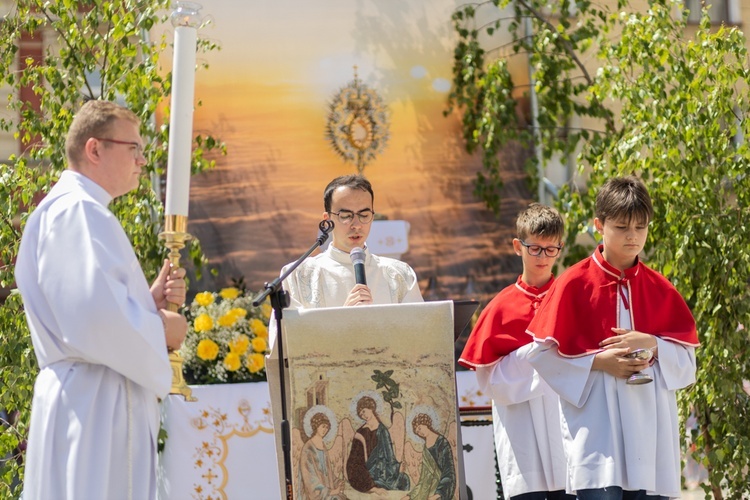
x=328, y=279
x=100, y=334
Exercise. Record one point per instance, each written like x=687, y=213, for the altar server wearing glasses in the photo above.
x=525, y=412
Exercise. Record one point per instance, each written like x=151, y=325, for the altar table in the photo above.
x=222, y=446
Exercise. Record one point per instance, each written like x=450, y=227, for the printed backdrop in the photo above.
x=266, y=94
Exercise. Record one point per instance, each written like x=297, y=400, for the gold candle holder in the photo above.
x=175, y=235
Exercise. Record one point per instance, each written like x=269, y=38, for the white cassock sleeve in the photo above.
x=568, y=377
x=92, y=274
x=677, y=364
x=512, y=379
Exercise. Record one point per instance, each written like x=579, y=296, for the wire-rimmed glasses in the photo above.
x=137, y=147
x=346, y=217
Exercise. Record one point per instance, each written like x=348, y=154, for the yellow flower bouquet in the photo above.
x=227, y=339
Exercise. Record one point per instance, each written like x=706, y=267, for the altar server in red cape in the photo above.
x=621, y=440
x=525, y=410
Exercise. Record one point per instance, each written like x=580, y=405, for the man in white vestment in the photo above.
x=99, y=332
x=327, y=279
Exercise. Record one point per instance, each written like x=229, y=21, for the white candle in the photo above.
x=181, y=121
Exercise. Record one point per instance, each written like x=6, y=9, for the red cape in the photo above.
x=581, y=308
x=501, y=328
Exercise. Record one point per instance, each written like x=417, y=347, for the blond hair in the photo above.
x=95, y=119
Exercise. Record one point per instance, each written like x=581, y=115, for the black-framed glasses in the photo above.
x=138, y=148
x=346, y=217
x=536, y=250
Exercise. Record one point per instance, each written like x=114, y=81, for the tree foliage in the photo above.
x=677, y=116
x=488, y=96
x=92, y=49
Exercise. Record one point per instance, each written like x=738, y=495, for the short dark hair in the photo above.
x=540, y=220
x=353, y=181
x=624, y=198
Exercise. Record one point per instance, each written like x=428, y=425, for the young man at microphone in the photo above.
x=346, y=273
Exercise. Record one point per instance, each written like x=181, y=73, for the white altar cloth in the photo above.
x=219, y=447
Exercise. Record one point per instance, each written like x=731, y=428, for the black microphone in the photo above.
x=358, y=259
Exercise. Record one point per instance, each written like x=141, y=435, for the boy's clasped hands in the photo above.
x=613, y=358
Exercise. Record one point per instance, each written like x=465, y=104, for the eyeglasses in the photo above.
x=137, y=151
x=536, y=250
x=347, y=216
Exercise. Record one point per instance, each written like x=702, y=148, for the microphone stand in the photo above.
x=280, y=300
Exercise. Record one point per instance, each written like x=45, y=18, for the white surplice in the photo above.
x=326, y=279
x=617, y=434
x=526, y=420
x=101, y=350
